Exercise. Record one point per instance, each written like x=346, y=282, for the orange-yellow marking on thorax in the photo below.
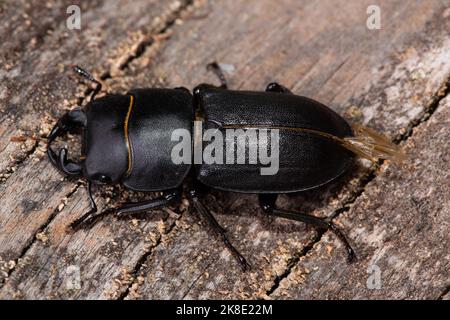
x=127, y=137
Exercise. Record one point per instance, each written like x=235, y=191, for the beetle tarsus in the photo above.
x=267, y=204
x=236, y=254
x=88, y=220
x=166, y=199
x=351, y=257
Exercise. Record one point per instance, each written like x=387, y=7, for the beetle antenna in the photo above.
x=217, y=70
x=85, y=74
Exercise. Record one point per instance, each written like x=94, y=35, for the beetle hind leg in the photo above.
x=267, y=203
x=217, y=228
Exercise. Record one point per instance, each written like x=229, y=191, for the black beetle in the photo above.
x=127, y=139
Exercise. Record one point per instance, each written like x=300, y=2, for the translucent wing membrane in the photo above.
x=370, y=145
x=365, y=143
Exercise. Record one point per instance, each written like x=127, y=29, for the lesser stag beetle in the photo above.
x=128, y=139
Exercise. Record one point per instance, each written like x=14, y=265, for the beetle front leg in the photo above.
x=75, y=225
x=88, y=219
x=217, y=228
x=267, y=203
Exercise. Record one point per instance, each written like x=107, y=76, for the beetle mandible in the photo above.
x=127, y=139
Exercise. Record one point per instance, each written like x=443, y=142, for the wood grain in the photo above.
x=36, y=90
x=389, y=79
x=399, y=225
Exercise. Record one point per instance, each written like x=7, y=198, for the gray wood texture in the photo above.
x=393, y=80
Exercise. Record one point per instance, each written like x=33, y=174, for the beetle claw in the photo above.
x=351, y=257
x=76, y=225
x=244, y=264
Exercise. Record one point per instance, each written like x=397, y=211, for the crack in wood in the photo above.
x=138, y=52
x=140, y=49
x=196, y=280
x=149, y=40
x=18, y=163
x=363, y=182
x=141, y=261
x=443, y=91
x=294, y=260
x=33, y=239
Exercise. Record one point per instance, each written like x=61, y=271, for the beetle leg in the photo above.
x=218, y=229
x=77, y=224
x=267, y=203
x=215, y=68
x=275, y=87
x=88, y=219
x=164, y=200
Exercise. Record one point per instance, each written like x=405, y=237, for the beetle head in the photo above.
x=104, y=152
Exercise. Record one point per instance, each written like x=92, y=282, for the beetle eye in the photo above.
x=102, y=179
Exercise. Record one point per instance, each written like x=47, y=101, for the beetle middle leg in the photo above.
x=267, y=203
x=89, y=219
x=217, y=228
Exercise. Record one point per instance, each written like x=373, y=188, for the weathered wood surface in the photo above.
x=396, y=230
x=393, y=79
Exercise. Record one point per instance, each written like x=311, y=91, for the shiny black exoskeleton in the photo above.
x=127, y=140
